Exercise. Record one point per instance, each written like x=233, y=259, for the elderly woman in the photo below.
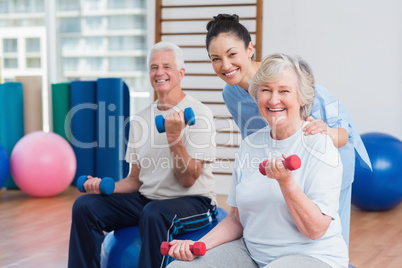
x=286, y=218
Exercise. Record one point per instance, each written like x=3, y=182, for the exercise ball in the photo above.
x=4, y=166
x=43, y=164
x=381, y=188
x=121, y=248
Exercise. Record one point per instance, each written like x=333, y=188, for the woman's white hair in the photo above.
x=167, y=46
x=274, y=66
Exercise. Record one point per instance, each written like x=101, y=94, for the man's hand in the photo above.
x=174, y=124
x=92, y=185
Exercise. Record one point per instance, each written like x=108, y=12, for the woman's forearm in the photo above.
x=339, y=136
x=227, y=230
x=307, y=216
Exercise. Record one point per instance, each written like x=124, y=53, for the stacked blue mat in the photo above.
x=99, y=127
x=11, y=120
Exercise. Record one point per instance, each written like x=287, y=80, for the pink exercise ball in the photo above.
x=43, y=164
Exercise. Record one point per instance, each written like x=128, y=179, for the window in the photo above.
x=10, y=45
x=33, y=63
x=10, y=63
x=89, y=39
x=64, y=5
x=70, y=25
x=32, y=44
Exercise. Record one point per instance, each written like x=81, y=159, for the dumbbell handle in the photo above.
x=292, y=162
x=106, y=185
x=189, y=118
x=198, y=249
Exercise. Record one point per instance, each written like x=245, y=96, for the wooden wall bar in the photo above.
x=184, y=23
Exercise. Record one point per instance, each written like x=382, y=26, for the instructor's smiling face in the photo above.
x=230, y=59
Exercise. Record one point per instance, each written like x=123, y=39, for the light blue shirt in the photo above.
x=247, y=116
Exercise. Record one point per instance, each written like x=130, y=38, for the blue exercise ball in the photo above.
x=121, y=248
x=4, y=166
x=381, y=188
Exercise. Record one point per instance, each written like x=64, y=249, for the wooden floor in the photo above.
x=34, y=232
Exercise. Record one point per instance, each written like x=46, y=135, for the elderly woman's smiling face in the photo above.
x=279, y=105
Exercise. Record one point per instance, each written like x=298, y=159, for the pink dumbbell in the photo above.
x=198, y=249
x=293, y=162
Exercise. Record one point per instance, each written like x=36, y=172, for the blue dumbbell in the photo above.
x=189, y=118
x=106, y=186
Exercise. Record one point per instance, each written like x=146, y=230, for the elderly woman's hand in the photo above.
x=180, y=250
x=276, y=170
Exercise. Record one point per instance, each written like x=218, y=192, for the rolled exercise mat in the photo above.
x=83, y=126
x=60, y=109
x=126, y=111
x=32, y=95
x=112, y=116
x=11, y=120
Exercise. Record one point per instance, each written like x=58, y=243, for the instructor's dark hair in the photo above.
x=225, y=23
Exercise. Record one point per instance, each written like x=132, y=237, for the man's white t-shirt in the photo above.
x=150, y=150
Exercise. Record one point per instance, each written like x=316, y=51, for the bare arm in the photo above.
x=227, y=230
x=307, y=216
x=339, y=136
x=130, y=184
x=186, y=168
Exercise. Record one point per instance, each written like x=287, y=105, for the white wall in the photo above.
x=354, y=48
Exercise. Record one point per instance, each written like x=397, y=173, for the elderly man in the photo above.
x=170, y=188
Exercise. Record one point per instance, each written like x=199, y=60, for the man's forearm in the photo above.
x=186, y=168
x=131, y=183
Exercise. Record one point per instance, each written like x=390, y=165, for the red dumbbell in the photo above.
x=293, y=162
x=198, y=249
